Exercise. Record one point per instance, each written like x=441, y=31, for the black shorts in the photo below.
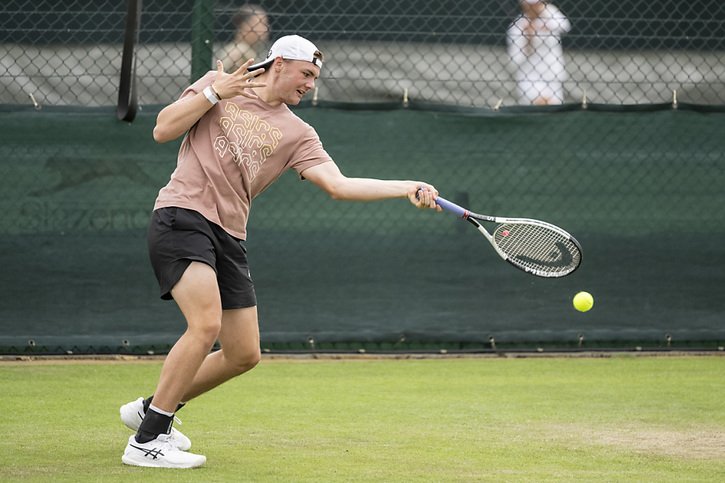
x=178, y=236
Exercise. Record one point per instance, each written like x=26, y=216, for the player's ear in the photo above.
x=278, y=64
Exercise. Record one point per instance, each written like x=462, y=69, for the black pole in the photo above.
x=127, y=102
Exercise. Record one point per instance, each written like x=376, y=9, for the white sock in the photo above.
x=161, y=411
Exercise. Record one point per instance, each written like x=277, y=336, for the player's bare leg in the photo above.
x=197, y=295
x=239, y=339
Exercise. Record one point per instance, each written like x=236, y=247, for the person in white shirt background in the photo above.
x=534, y=45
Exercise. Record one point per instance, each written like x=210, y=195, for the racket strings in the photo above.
x=537, y=248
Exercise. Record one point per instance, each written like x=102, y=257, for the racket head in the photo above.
x=537, y=247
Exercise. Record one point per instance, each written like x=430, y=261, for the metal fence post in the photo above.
x=202, y=35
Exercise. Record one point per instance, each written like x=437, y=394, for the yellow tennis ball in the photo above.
x=583, y=301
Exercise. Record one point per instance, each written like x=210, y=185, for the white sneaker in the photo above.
x=159, y=453
x=132, y=414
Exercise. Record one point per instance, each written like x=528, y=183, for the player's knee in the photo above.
x=208, y=331
x=246, y=361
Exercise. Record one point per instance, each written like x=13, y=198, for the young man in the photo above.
x=240, y=137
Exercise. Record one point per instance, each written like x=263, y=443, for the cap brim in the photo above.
x=259, y=65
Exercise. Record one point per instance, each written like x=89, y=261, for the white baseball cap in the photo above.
x=291, y=47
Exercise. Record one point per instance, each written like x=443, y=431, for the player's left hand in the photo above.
x=237, y=83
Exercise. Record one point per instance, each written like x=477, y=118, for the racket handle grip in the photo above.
x=451, y=207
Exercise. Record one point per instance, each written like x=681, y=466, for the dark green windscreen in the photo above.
x=642, y=191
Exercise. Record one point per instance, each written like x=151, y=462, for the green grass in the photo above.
x=470, y=419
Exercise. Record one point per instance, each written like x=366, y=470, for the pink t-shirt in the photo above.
x=233, y=153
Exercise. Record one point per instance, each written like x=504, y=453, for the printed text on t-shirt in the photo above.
x=250, y=139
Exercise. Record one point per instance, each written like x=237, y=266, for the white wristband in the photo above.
x=211, y=95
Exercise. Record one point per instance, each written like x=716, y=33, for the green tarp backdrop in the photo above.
x=643, y=192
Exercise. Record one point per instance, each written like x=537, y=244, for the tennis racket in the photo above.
x=534, y=246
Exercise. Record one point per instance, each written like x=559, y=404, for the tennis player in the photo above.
x=240, y=136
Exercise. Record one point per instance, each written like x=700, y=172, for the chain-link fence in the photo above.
x=480, y=54
x=641, y=186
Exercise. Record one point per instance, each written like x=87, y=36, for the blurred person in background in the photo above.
x=250, y=37
x=534, y=44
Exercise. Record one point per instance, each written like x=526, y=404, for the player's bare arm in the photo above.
x=330, y=179
x=177, y=118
